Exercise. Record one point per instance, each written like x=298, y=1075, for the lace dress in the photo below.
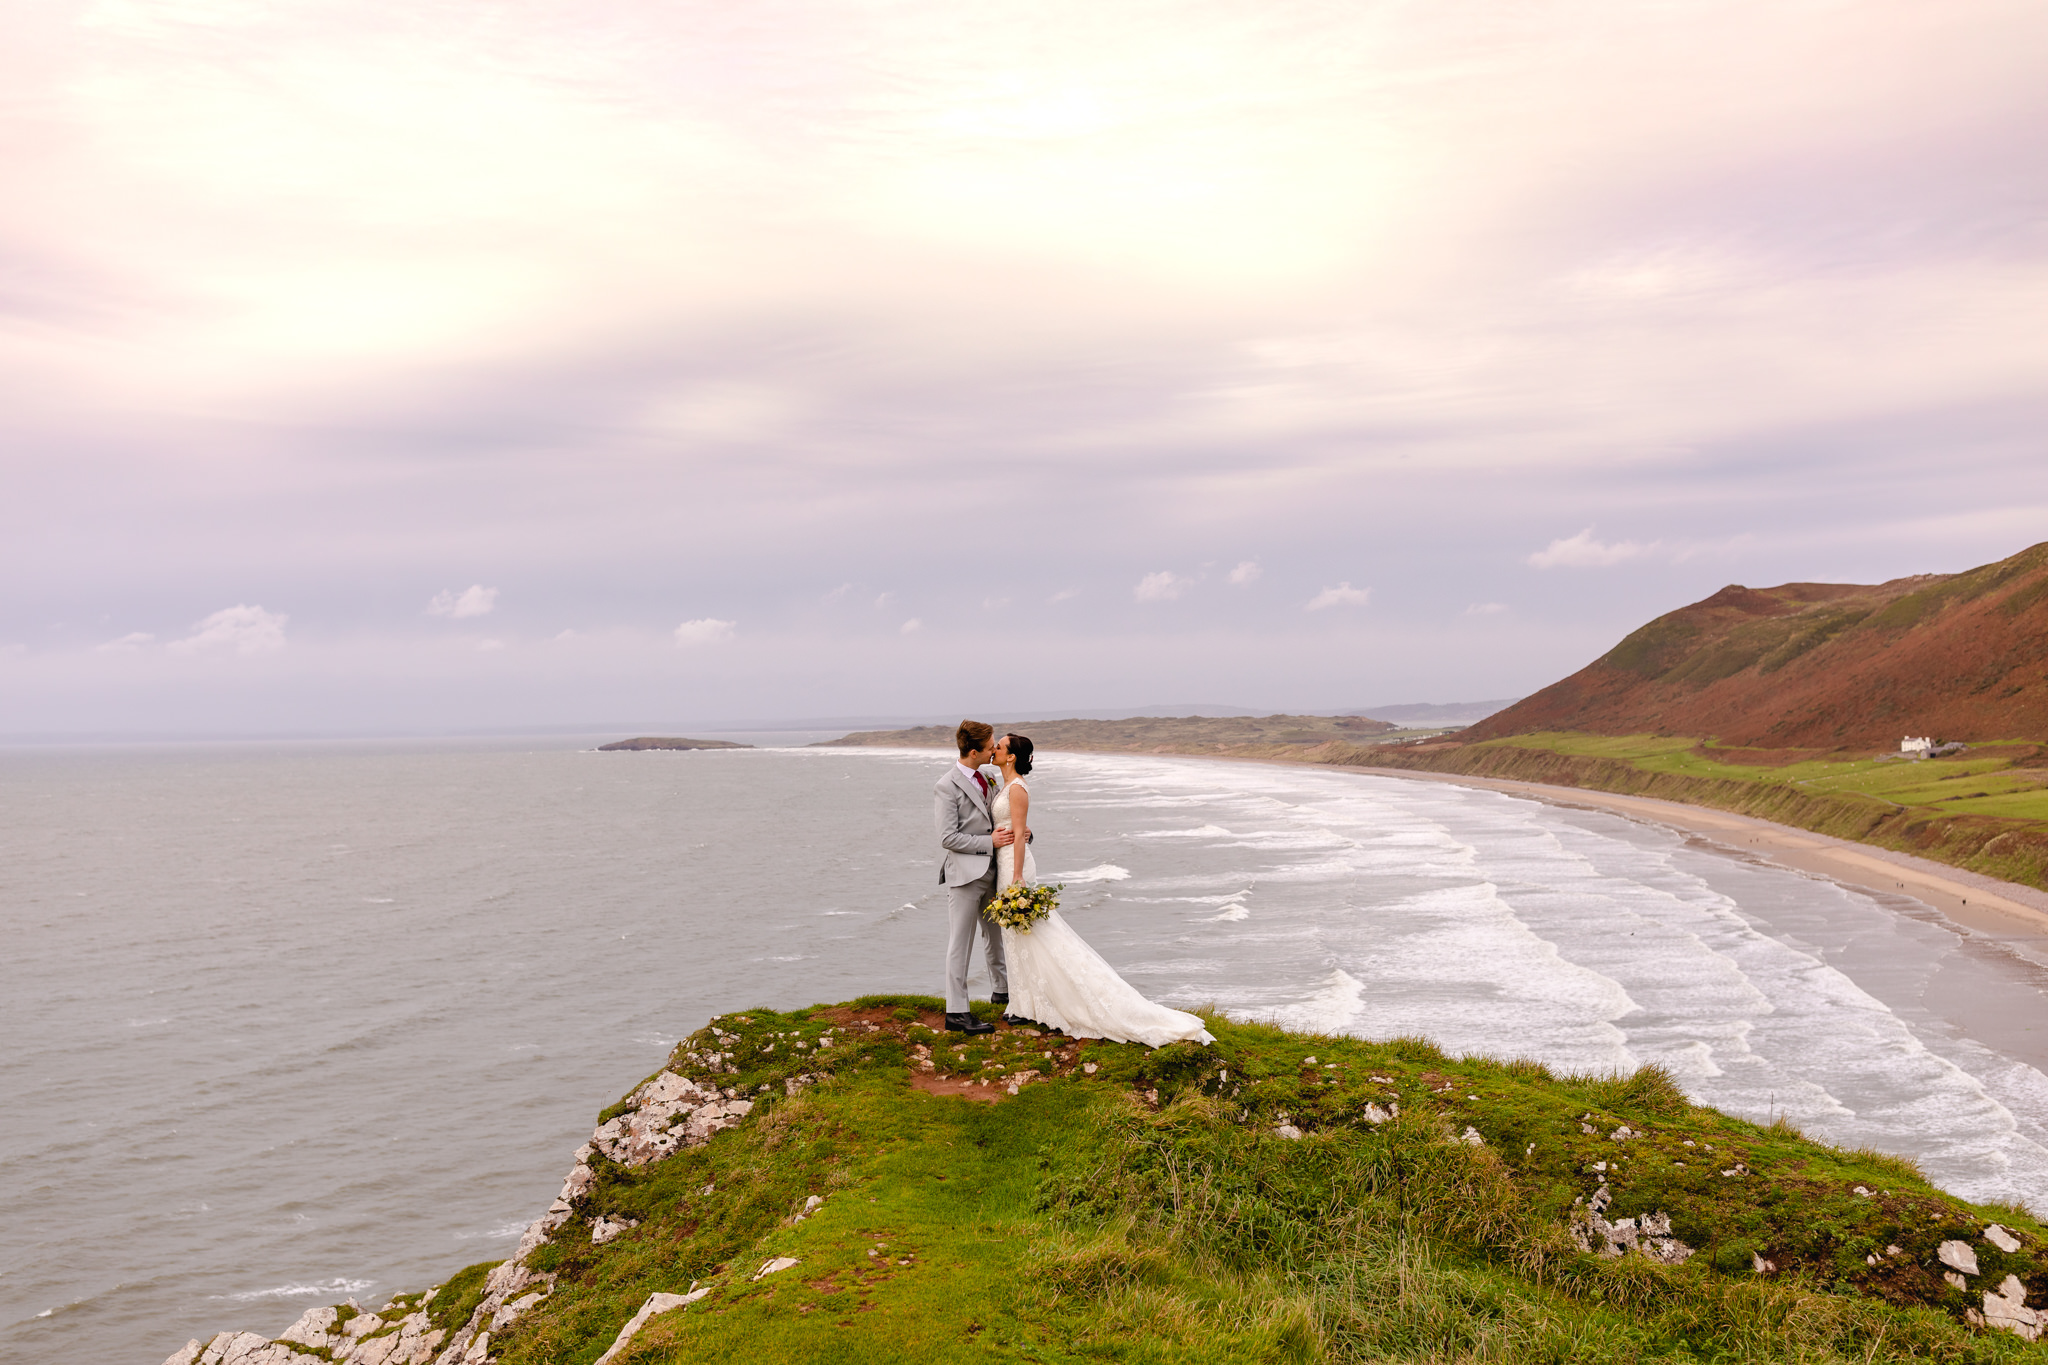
x=1058, y=980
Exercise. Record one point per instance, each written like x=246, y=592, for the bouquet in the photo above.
x=1020, y=906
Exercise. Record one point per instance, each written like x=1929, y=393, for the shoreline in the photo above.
x=1984, y=905
x=1988, y=906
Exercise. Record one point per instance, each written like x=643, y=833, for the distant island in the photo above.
x=668, y=742
x=1158, y=734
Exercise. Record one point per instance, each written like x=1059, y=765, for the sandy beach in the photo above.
x=1984, y=905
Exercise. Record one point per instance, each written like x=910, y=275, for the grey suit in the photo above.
x=967, y=869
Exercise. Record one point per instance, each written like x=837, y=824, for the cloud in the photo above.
x=911, y=627
x=243, y=628
x=1486, y=609
x=1583, y=552
x=716, y=305
x=837, y=595
x=707, y=630
x=474, y=600
x=127, y=643
x=1247, y=571
x=1343, y=595
x=1163, y=586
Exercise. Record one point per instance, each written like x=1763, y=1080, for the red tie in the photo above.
x=984, y=785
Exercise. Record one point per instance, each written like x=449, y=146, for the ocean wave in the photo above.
x=1101, y=872
x=500, y=1233
x=1334, y=1004
x=1231, y=914
x=1205, y=832
x=337, y=1285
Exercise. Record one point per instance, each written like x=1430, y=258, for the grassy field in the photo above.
x=1275, y=1197
x=1975, y=782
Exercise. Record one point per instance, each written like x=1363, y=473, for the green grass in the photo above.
x=1960, y=784
x=1149, y=1211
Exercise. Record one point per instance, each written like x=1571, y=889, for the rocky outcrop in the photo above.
x=390, y=1336
x=666, y=1114
x=2005, y=1308
x=1649, y=1235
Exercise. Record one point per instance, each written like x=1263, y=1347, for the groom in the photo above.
x=968, y=840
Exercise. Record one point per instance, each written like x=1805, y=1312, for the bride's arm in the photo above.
x=1020, y=830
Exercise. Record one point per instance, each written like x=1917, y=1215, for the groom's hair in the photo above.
x=973, y=735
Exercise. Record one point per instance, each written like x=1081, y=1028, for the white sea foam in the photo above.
x=1205, y=832
x=337, y=1285
x=1330, y=1008
x=500, y=1233
x=1231, y=914
x=1101, y=872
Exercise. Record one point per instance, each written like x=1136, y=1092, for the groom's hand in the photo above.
x=1005, y=837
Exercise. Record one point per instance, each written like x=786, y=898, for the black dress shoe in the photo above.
x=1017, y=1020
x=967, y=1023
x=999, y=998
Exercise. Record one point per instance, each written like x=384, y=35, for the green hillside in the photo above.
x=2004, y=780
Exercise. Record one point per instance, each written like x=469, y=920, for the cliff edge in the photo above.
x=848, y=1183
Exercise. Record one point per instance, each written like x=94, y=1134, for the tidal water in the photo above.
x=289, y=1023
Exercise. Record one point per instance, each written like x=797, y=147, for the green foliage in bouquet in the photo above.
x=1020, y=906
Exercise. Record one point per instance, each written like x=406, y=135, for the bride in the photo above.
x=1056, y=979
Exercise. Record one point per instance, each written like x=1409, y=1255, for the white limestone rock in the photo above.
x=1375, y=1115
x=656, y=1303
x=510, y=1313
x=1288, y=1131
x=2006, y=1310
x=1958, y=1256
x=312, y=1329
x=1471, y=1138
x=1649, y=1235
x=604, y=1229
x=779, y=1264
x=2001, y=1239
x=666, y=1114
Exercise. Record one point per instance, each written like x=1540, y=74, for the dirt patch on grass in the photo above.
x=981, y=1092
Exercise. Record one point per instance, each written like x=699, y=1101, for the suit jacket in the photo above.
x=967, y=848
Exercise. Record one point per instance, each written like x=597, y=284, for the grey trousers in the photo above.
x=964, y=914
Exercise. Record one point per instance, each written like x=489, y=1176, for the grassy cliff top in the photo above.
x=1277, y=1196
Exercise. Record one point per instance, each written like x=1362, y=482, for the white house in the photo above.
x=1916, y=747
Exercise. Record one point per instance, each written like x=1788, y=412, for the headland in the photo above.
x=848, y=1183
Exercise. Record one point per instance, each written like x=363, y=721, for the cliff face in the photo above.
x=849, y=1184
x=1822, y=665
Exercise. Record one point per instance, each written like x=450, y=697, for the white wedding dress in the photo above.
x=1058, y=980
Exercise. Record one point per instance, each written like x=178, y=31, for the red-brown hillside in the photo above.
x=1828, y=665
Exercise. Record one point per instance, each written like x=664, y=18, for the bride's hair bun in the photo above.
x=1020, y=749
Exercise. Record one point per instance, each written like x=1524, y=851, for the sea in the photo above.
x=289, y=1023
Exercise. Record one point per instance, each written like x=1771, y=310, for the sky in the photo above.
x=381, y=366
